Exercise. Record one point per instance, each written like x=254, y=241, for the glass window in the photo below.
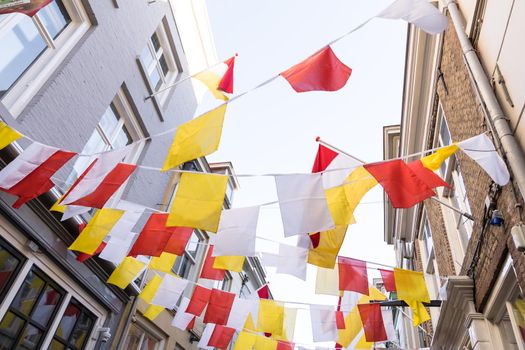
x=23, y=39
x=110, y=133
x=10, y=264
x=30, y=314
x=184, y=264
x=74, y=328
x=158, y=60
x=139, y=339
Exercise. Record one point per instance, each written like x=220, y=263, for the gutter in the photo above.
x=510, y=147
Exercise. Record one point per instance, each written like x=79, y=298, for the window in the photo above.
x=117, y=128
x=225, y=284
x=74, y=328
x=10, y=264
x=31, y=312
x=184, y=264
x=159, y=64
x=33, y=47
x=140, y=339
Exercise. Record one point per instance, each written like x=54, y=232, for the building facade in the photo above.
x=468, y=260
x=78, y=76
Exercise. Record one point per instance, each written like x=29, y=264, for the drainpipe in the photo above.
x=513, y=152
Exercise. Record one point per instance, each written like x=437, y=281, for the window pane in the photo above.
x=133, y=338
x=518, y=308
x=109, y=121
x=123, y=138
x=19, y=47
x=30, y=338
x=154, y=78
x=8, y=265
x=95, y=144
x=164, y=65
x=9, y=328
x=82, y=330
x=56, y=345
x=54, y=17
x=46, y=306
x=28, y=294
x=146, y=57
x=156, y=42
x=148, y=343
x=68, y=321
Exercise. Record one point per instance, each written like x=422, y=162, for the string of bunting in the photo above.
x=316, y=207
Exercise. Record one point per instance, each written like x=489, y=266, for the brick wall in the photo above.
x=465, y=119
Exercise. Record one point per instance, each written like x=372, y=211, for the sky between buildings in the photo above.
x=273, y=129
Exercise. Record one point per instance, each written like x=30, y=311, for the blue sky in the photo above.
x=273, y=129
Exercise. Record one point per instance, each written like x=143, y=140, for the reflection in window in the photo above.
x=139, y=339
x=22, y=41
x=74, y=328
x=9, y=266
x=184, y=264
x=30, y=314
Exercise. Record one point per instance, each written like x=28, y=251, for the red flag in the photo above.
x=111, y=183
x=207, y=269
x=322, y=71
x=219, y=307
x=29, y=8
x=153, y=237
x=430, y=178
x=323, y=158
x=198, y=301
x=353, y=275
x=340, y=320
x=338, y=346
x=284, y=345
x=83, y=256
x=403, y=187
x=221, y=337
x=226, y=83
x=191, y=324
x=264, y=292
x=178, y=240
x=372, y=320
x=39, y=180
x=315, y=238
x=388, y=280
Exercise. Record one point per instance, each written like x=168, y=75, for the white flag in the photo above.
x=205, y=337
x=182, y=319
x=327, y=281
x=239, y=313
x=324, y=325
x=388, y=323
x=290, y=260
x=483, y=152
x=303, y=204
x=420, y=13
x=236, y=233
x=104, y=164
x=169, y=291
x=30, y=159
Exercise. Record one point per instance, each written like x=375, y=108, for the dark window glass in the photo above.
x=74, y=328
x=164, y=65
x=10, y=264
x=156, y=42
x=30, y=314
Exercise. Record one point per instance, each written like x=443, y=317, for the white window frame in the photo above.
x=144, y=326
x=174, y=67
x=27, y=86
x=44, y=263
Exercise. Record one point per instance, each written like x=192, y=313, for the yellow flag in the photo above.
x=153, y=311
x=271, y=317
x=434, y=161
x=8, y=135
x=249, y=324
x=96, y=230
x=198, y=201
x=126, y=272
x=196, y=138
x=263, y=343
x=411, y=288
x=339, y=207
x=360, y=181
x=519, y=308
x=353, y=319
x=150, y=289
x=330, y=242
x=211, y=80
x=290, y=315
x=363, y=344
x=245, y=341
x=163, y=263
x=327, y=281
x=60, y=208
x=231, y=263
